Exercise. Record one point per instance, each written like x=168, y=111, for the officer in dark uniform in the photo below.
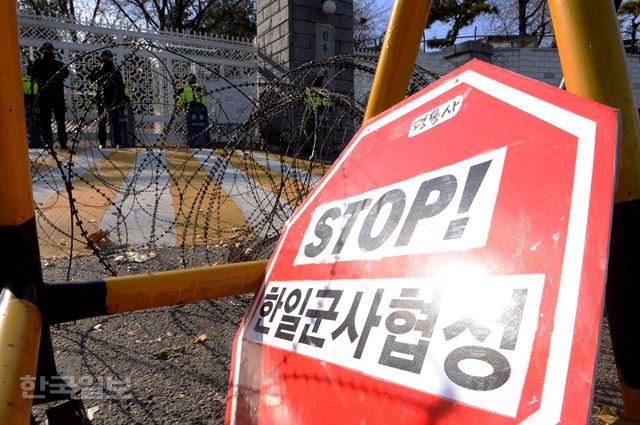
x=193, y=99
x=50, y=74
x=95, y=77
x=110, y=97
x=32, y=114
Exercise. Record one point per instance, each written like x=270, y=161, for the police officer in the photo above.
x=193, y=98
x=30, y=92
x=50, y=74
x=110, y=96
x=95, y=77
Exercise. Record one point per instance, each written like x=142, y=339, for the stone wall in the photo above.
x=542, y=64
x=273, y=33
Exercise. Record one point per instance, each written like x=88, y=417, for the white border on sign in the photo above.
x=584, y=129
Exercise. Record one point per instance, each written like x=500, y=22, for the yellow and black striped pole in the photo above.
x=72, y=301
x=20, y=273
x=593, y=63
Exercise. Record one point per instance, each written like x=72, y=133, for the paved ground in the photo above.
x=167, y=378
x=162, y=197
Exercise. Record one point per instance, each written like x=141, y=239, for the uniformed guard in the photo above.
x=113, y=103
x=50, y=74
x=32, y=114
x=193, y=99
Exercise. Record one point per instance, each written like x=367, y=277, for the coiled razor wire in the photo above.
x=232, y=197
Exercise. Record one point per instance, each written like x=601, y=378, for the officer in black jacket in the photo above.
x=50, y=75
x=110, y=95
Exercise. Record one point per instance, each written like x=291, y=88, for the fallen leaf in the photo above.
x=169, y=353
x=91, y=412
x=134, y=257
x=220, y=398
x=200, y=338
x=607, y=414
x=98, y=236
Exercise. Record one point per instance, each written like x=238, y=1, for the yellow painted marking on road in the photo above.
x=93, y=194
x=291, y=190
x=204, y=211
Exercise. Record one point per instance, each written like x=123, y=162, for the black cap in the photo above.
x=106, y=52
x=45, y=46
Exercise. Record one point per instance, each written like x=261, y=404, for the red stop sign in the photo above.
x=448, y=269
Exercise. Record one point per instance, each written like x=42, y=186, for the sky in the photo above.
x=439, y=30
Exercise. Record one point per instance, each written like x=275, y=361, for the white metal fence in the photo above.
x=153, y=64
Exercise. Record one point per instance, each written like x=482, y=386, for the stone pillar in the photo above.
x=291, y=33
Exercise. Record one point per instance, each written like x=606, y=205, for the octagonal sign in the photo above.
x=448, y=269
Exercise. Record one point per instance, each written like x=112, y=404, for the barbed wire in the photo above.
x=264, y=154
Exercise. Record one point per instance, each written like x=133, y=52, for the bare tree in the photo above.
x=49, y=7
x=231, y=17
x=529, y=20
x=369, y=24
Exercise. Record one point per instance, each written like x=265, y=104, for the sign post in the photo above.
x=449, y=268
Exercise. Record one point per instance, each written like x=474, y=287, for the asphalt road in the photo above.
x=144, y=367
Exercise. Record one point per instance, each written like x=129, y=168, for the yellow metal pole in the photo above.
x=20, y=276
x=16, y=199
x=19, y=342
x=594, y=66
x=593, y=63
x=129, y=293
x=79, y=300
x=398, y=55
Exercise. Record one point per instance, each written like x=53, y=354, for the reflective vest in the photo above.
x=188, y=95
x=29, y=86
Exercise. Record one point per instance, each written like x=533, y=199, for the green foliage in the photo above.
x=457, y=13
x=316, y=98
